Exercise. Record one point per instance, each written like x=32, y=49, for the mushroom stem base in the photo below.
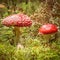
x=46, y=39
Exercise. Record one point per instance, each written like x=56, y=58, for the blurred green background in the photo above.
x=35, y=47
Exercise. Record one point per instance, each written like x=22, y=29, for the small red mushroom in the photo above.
x=48, y=29
x=17, y=21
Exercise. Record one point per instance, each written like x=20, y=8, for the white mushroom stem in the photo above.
x=17, y=35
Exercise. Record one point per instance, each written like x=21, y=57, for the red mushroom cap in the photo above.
x=17, y=20
x=48, y=29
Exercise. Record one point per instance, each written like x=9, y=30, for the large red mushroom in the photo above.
x=17, y=21
x=47, y=30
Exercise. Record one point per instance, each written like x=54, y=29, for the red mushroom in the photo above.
x=17, y=21
x=48, y=29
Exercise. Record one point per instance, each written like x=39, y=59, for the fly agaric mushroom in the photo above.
x=17, y=21
x=48, y=29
